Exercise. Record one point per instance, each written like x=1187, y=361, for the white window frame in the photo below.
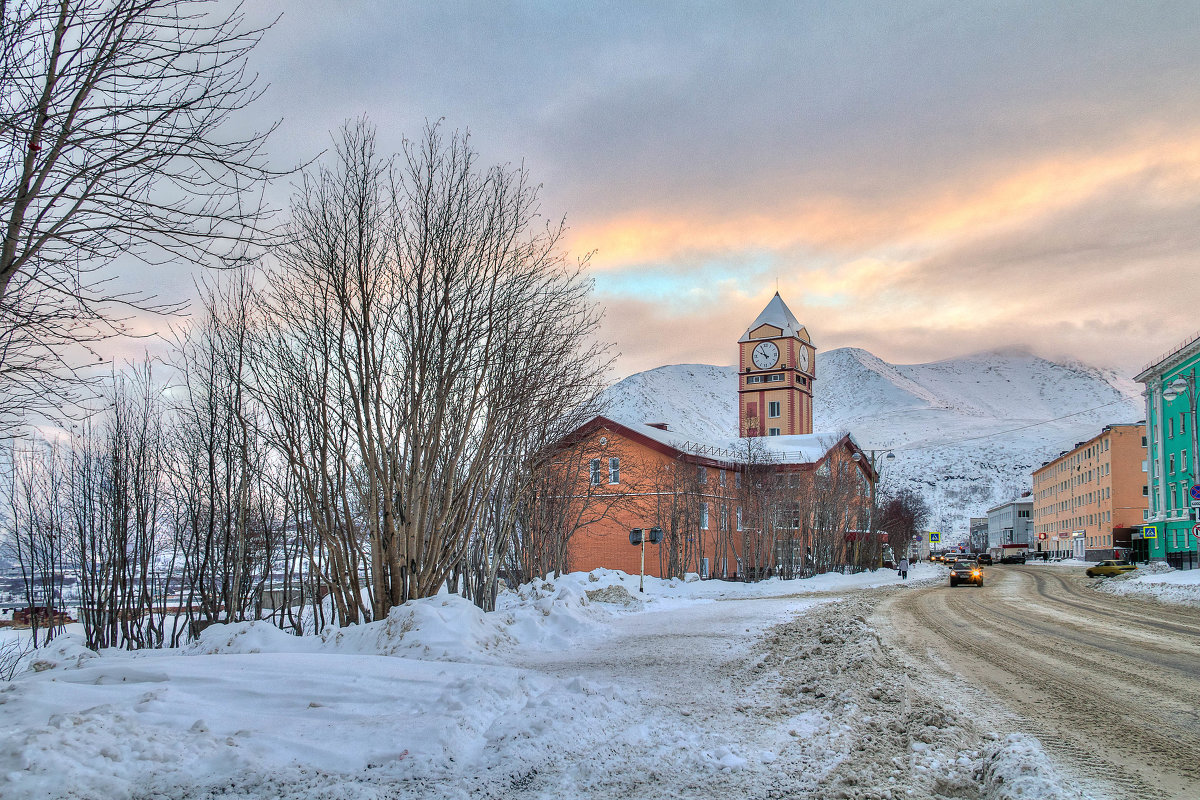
x=774, y=409
x=614, y=470
x=774, y=431
x=704, y=516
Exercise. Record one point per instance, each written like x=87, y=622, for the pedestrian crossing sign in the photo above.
x=1149, y=531
x=935, y=538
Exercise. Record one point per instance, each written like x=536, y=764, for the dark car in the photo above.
x=984, y=558
x=1019, y=558
x=966, y=572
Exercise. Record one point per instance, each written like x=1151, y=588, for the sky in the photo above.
x=920, y=179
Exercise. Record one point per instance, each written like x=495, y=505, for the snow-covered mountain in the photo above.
x=967, y=432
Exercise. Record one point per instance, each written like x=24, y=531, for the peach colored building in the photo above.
x=1088, y=501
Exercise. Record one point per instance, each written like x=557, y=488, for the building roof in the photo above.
x=803, y=452
x=1169, y=360
x=778, y=314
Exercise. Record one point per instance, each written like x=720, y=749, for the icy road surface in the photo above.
x=1110, y=685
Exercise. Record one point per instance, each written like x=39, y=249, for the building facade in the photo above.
x=1090, y=501
x=978, y=536
x=772, y=498
x=1171, y=443
x=1010, y=527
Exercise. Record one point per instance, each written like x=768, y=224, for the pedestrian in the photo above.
x=904, y=568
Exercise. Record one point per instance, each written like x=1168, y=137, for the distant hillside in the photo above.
x=967, y=432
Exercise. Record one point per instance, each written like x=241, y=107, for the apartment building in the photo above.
x=1090, y=500
x=1010, y=527
x=1171, y=396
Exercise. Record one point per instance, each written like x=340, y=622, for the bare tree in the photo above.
x=113, y=143
x=419, y=325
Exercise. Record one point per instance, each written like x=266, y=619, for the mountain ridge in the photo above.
x=967, y=432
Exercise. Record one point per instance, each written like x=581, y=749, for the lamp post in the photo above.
x=886, y=454
x=1186, y=385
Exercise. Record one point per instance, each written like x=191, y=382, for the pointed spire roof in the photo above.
x=778, y=314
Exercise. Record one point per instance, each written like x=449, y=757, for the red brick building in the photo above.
x=779, y=499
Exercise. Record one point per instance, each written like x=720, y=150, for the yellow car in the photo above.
x=1110, y=568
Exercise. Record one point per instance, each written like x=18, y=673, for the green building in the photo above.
x=1171, y=449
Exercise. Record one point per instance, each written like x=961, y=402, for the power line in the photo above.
x=1011, y=430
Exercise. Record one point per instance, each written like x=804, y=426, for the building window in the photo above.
x=614, y=470
x=1171, y=428
x=775, y=378
x=595, y=471
x=1182, y=423
x=739, y=518
x=737, y=480
x=754, y=379
x=1183, y=461
x=724, y=518
x=704, y=516
x=772, y=431
x=1171, y=463
x=721, y=478
x=702, y=474
x=773, y=408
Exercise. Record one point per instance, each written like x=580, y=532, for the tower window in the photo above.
x=777, y=378
x=773, y=408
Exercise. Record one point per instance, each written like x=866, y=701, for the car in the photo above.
x=984, y=558
x=1019, y=558
x=966, y=572
x=1107, y=569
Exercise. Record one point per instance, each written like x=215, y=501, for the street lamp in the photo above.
x=1186, y=385
x=858, y=456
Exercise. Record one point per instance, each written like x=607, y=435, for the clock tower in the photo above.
x=776, y=366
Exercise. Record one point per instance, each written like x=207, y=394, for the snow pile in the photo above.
x=438, y=699
x=1016, y=768
x=1169, y=586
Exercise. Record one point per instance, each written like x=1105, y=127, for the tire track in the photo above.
x=1122, y=708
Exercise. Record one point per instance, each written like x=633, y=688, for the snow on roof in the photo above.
x=804, y=449
x=778, y=314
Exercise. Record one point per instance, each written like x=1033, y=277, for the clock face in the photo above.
x=804, y=358
x=765, y=355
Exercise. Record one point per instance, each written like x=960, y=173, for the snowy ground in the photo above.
x=579, y=687
x=1181, y=587
x=1157, y=582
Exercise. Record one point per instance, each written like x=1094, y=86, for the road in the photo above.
x=1110, y=685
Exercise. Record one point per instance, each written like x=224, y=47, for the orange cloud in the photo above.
x=969, y=206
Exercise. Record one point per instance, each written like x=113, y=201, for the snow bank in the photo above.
x=1016, y=768
x=1181, y=587
x=423, y=697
